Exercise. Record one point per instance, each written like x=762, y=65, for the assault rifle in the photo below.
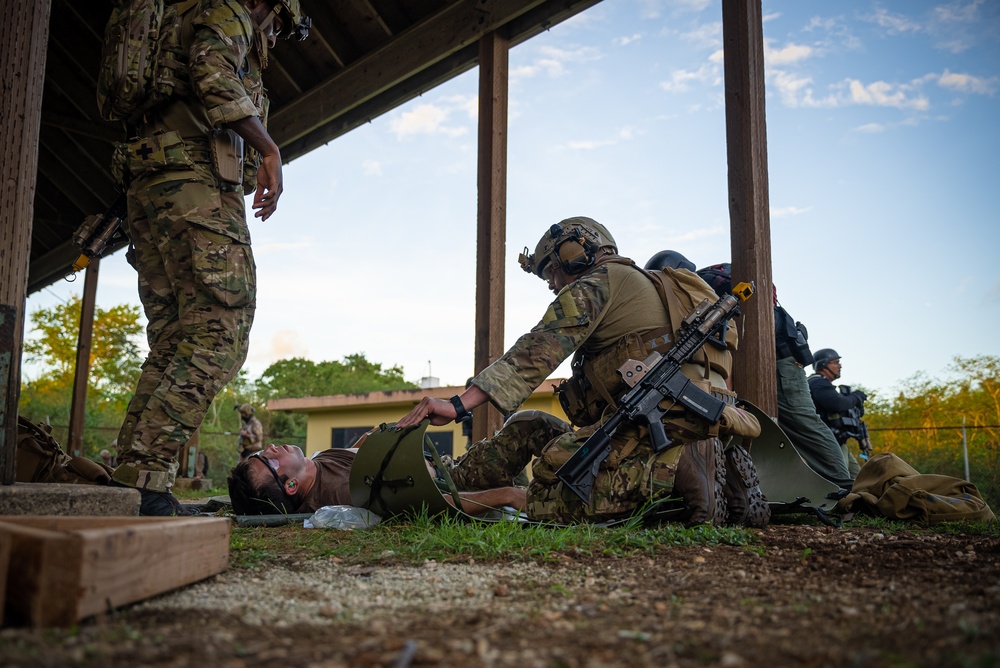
x=99, y=231
x=654, y=381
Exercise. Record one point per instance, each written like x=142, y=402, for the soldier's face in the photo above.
x=287, y=461
x=259, y=12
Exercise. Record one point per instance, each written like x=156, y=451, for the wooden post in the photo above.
x=749, y=217
x=491, y=217
x=78, y=409
x=22, y=73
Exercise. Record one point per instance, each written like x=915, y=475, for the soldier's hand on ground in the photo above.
x=269, y=186
x=440, y=412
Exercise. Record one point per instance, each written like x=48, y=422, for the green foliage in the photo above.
x=114, y=368
x=299, y=377
x=922, y=424
x=447, y=538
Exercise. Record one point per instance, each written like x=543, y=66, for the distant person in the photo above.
x=251, y=432
x=107, y=458
x=839, y=407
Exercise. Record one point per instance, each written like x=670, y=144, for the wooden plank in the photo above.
x=491, y=234
x=749, y=218
x=63, y=569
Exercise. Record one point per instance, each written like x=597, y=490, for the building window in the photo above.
x=442, y=441
x=344, y=437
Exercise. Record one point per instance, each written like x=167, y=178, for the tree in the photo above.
x=114, y=369
x=299, y=377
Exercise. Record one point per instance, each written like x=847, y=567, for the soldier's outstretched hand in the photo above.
x=440, y=412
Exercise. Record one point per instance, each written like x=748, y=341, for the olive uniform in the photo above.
x=191, y=242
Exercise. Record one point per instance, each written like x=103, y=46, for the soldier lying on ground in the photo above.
x=280, y=479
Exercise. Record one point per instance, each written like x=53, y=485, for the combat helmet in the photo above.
x=246, y=410
x=823, y=357
x=669, y=259
x=572, y=244
x=297, y=24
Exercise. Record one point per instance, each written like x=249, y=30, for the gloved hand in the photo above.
x=859, y=397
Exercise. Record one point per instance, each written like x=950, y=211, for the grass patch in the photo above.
x=452, y=539
x=187, y=493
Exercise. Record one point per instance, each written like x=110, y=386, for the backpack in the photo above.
x=141, y=58
x=40, y=459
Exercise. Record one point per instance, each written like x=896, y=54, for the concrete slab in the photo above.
x=32, y=498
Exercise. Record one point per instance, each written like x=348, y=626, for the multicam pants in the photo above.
x=631, y=475
x=197, y=284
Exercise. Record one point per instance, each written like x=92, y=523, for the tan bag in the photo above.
x=888, y=486
x=40, y=459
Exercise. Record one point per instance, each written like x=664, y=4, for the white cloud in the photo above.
x=893, y=23
x=371, y=167
x=705, y=36
x=884, y=94
x=679, y=79
x=952, y=25
x=785, y=211
x=871, y=128
x=791, y=53
x=552, y=61
x=622, y=41
x=770, y=17
x=625, y=133
x=968, y=83
x=435, y=119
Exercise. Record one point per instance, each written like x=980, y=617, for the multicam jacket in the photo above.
x=591, y=314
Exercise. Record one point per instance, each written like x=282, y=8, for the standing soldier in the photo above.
x=252, y=432
x=186, y=172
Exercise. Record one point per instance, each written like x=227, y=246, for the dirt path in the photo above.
x=806, y=596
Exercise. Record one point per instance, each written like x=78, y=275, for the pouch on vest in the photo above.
x=227, y=155
x=158, y=152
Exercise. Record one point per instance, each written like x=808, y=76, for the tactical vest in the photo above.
x=591, y=393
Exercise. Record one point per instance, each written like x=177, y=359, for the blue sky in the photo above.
x=883, y=152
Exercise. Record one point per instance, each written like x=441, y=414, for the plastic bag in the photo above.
x=341, y=517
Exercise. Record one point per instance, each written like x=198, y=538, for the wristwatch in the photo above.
x=462, y=414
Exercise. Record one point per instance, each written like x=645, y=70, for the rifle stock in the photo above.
x=652, y=381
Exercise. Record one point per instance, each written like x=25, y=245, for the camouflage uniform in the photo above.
x=191, y=244
x=595, y=313
x=251, y=436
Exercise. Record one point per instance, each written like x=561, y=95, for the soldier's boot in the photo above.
x=746, y=505
x=700, y=478
x=159, y=504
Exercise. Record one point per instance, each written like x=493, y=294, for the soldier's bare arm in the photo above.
x=269, y=180
x=441, y=411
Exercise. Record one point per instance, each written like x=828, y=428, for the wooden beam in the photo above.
x=749, y=216
x=456, y=26
x=491, y=216
x=341, y=121
x=22, y=72
x=78, y=408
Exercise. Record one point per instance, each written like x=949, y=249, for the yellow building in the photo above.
x=336, y=421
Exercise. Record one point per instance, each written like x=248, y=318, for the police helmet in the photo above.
x=669, y=259
x=719, y=277
x=572, y=244
x=823, y=357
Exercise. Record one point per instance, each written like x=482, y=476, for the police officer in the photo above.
x=187, y=172
x=606, y=310
x=840, y=408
